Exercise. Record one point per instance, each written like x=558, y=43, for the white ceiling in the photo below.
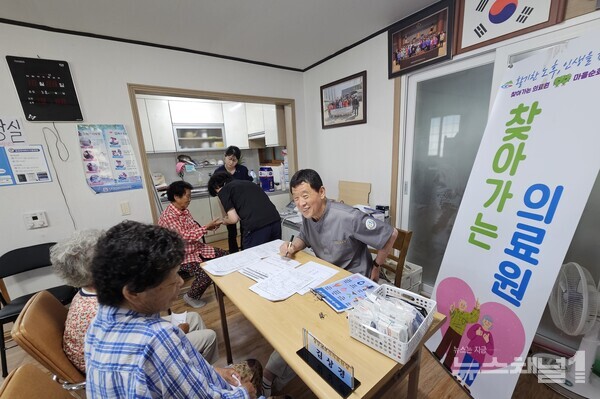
x=287, y=33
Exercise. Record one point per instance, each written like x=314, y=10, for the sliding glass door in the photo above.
x=447, y=112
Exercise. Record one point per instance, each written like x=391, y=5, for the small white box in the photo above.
x=413, y=274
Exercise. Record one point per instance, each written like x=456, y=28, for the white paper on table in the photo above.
x=282, y=285
x=265, y=250
x=178, y=318
x=230, y=263
x=268, y=267
x=319, y=272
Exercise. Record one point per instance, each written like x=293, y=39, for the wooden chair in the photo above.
x=39, y=331
x=28, y=381
x=16, y=262
x=353, y=193
x=401, y=244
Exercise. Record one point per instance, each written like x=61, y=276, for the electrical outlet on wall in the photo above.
x=35, y=220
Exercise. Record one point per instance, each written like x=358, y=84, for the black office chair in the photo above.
x=19, y=261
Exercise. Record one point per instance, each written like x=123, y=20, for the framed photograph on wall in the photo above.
x=422, y=39
x=344, y=102
x=483, y=22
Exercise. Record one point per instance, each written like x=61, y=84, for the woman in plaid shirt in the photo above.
x=177, y=217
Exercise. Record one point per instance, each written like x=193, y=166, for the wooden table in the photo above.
x=281, y=324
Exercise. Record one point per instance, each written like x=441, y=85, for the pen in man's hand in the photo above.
x=289, y=246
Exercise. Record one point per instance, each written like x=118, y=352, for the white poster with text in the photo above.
x=531, y=179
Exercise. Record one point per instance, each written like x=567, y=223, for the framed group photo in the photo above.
x=480, y=23
x=422, y=39
x=344, y=102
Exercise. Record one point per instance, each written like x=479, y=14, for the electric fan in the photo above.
x=574, y=309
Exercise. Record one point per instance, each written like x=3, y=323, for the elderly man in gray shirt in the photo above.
x=338, y=234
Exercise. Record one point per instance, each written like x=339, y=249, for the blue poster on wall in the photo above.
x=23, y=164
x=108, y=160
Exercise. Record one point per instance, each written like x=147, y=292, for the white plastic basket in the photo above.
x=392, y=347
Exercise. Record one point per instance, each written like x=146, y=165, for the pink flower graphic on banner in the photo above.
x=507, y=330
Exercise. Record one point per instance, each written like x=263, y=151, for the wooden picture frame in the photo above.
x=422, y=39
x=344, y=102
x=480, y=23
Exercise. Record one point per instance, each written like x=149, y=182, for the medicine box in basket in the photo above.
x=389, y=342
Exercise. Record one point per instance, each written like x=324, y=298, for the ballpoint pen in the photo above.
x=289, y=246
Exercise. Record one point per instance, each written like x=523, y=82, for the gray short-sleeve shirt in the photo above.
x=342, y=237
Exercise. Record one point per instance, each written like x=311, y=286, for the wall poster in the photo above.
x=23, y=164
x=108, y=159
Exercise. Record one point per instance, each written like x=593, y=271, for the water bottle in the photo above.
x=254, y=177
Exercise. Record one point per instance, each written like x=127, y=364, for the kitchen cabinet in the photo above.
x=199, y=137
x=196, y=112
x=274, y=125
x=145, y=125
x=217, y=212
x=159, y=122
x=236, y=128
x=254, y=119
x=200, y=210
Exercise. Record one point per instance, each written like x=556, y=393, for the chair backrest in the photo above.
x=39, y=331
x=401, y=244
x=24, y=259
x=354, y=193
x=28, y=381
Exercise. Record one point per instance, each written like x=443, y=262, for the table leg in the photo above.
x=221, y=300
x=413, y=377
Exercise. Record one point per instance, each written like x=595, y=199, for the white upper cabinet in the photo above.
x=145, y=125
x=254, y=118
x=196, y=112
x=236, y=128
x=161, y=130
x=274, y=134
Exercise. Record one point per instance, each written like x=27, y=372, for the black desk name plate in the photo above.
x=334, y=371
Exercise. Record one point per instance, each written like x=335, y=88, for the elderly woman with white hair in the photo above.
x=71, y=260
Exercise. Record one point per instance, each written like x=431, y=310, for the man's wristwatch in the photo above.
x=375, y=264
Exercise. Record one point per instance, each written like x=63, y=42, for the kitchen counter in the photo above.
x=202, y=192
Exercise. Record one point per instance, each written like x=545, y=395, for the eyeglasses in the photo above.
x=231, y=158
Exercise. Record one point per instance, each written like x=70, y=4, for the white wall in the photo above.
x=358, y=152
x=101, y=70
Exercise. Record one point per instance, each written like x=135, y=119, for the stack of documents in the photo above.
x=277, y=277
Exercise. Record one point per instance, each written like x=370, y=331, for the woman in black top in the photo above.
x=247, y=202
x=238, y=172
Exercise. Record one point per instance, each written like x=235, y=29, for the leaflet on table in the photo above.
x=267, y=267
x=342, y=294
x=319, y=272
x=282, y=285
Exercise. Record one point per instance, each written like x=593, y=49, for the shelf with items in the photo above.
x=194, y=138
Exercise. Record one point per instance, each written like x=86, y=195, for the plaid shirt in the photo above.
x=183, y=223
x=130, y=355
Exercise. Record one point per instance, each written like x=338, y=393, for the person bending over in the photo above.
x=245, y=201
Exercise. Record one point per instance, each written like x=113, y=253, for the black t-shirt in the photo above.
x=241, y=172
x=250, y=202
